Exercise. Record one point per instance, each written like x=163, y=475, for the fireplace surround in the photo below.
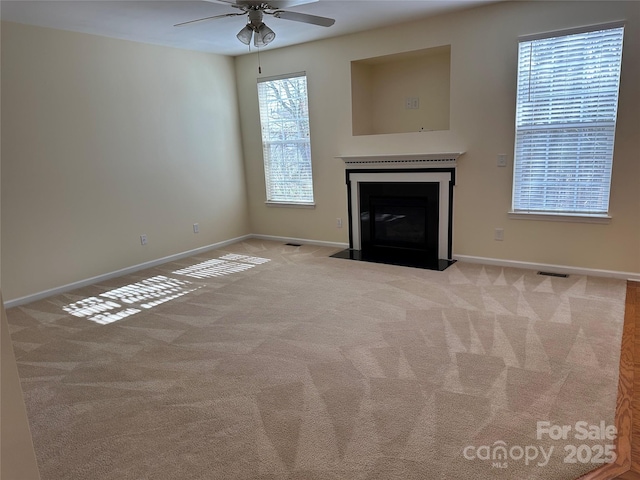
x=400, y=209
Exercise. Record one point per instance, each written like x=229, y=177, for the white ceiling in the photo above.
x=152, y=21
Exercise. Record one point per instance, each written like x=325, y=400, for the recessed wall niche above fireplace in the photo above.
x=401, y=209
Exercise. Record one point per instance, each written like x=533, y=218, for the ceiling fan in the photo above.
x=255, y=10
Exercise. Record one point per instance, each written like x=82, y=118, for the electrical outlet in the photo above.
x=502, y=160
x=412, y=103
x=499, y=234
x=339, y=222
x=143, y=239
x=196, y=228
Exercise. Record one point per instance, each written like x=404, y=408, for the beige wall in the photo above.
x=104, y=140
x=0, y=157
x=483, y=86
x=361, y=92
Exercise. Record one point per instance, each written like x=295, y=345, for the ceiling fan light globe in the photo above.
x=264, y=36
x=244, y=35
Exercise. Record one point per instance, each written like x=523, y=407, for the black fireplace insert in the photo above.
x=399, y=219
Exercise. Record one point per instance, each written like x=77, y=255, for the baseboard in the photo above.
x=463, y=258
x=549, y=268
x=117, y=273
x=303, y=241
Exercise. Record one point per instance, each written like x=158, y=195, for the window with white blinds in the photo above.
x=565, y=122
x=286, y=144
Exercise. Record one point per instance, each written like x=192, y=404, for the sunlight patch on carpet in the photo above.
x=213, y=268
x=145, y=294
x=245, y=258
x=98, y=310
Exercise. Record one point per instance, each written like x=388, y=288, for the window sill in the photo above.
x=562, y=217
x=290, y=205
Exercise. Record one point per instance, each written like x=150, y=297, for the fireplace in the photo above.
x=400, y=209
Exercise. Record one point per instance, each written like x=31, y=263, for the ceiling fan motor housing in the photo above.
x=255, y=18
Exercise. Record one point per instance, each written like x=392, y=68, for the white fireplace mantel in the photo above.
x=421, y=168
x=403, y=160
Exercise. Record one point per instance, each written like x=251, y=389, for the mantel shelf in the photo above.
x=412, y=158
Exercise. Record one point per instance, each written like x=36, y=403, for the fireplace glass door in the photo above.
x=399, y=218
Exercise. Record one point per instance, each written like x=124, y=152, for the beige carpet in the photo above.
x=265, y=361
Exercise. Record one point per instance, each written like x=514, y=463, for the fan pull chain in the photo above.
x=259, y=66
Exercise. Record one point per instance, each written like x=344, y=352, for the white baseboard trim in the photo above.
x=303, y=241
x=463, y=258
x=550, y=268
x=153, y=263
x=118, y=273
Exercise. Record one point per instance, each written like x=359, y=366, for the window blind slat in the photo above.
x=567, y=98
x=286, y=145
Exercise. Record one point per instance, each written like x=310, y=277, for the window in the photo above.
x=565, y=122
x=286, y=145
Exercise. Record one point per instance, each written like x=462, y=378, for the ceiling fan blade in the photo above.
x=304, y=18
x=208, y=18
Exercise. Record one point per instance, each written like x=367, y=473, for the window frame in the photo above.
x=569, y=214
x=308, y=201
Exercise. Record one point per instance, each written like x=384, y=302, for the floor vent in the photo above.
x=293, y=244
x=552, y=274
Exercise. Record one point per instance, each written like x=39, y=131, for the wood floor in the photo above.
x=627, y=465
